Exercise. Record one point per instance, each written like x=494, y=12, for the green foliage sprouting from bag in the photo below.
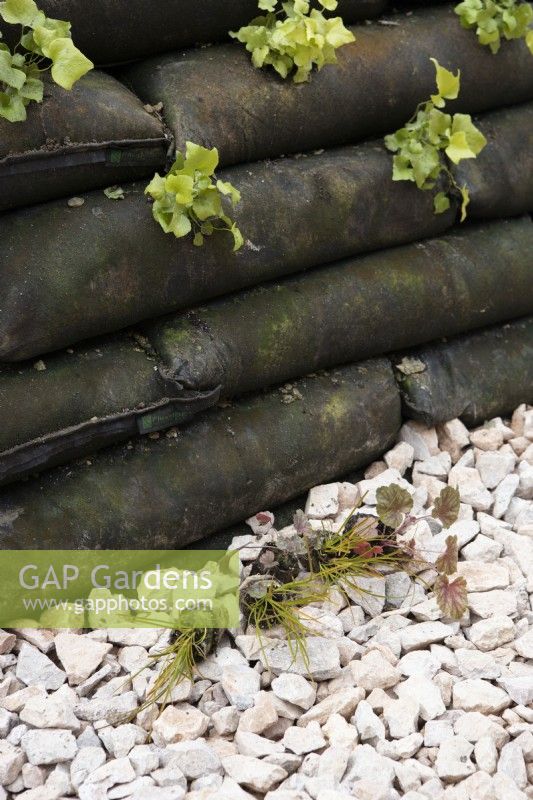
x=294, y=37
x=44, y=44
x=189, y=198
x=425, y=144
x=495, y=20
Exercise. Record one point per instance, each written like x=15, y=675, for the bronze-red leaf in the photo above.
x=451, y=596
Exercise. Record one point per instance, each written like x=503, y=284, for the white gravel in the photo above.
x=394, y=702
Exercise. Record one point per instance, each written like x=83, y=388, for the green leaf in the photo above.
x=12, y=107
x=182, y=186
x=466, y=141
x=441, y=203
x=68, y=63
x=9, y=75
x=198, y=239
x=439, y=125
x=33, y=89
x=156, y=187
x=447, y=562
x=330, y=5
x=446, y=506
x=337, y=35
x=402, y=169
x=425, y=165
x=226, y=188
x=298, y=7
x=238, y=239
x=475, y=139
x=267, y=5
x=459, y=148
x=465, y=198
x=200, y=158
x=180, y=224
x=393, y=141
x=114, y=193
x=207, y=205
x=19, y=12
x=393, y=503
x=451, y=596
x=46, y=30
x=448, y=85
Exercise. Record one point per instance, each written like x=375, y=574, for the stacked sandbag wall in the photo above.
x=408, y=295
x=342, y=270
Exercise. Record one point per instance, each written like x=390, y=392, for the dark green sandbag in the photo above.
x=474, y=276
x=80, y=401
x=374, y=88
x=98, y=134
x=114, y=31
x=273, y=333
x=224, y=466
x=75, y=273
x=473, y=377
x=500, y=179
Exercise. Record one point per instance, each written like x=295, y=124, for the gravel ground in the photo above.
x=395, y=701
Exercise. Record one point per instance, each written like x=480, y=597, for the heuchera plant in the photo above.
x=301, y=565
x=44, y=44
x=495, y=20
x=292, y=37
x=431, y=139
x=189, y=197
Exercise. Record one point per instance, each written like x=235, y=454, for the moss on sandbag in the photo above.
x=474, y=377
x=275, y=332
x=114, y=31
x=224, y=466
x=98, y=134
x=500, y=179
x=473, y=276
x=82, y=272
x=64, y=389
x=77, y=402
x=375, y=87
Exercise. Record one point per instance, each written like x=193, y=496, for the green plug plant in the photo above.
x=293, y=37
x=431, y=138
x=495, y=20
x=189, y=197
x=44, y=44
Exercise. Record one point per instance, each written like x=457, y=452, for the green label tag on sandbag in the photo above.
x=161, y=418
x=115, y=156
